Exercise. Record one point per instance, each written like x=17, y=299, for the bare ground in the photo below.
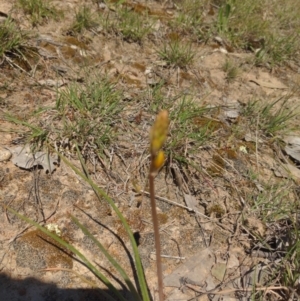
x=220, y=234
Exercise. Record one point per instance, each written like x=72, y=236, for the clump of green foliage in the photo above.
x=12, y=39
x=39, y=10
x=84, y=19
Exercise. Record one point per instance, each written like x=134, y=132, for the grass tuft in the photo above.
x=133, y=26
x=88, y=113
x=177, y=53
x=39, y=10
x=12, y=39
x=189, y=20
x=83, y=115
x=273, y=118
x=231, y=70
x=250, y=25
x=189, y=128
x=84, y=19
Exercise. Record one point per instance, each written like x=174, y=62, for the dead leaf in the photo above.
x=5, y=154
x=255, y=225
x=232, y=114
x=252, y=138
x=259, y=186
x=258, y=275
x=293, y=147
x=286, y=170
x=279, y=174
x=294, y=171
x=218, y=270
x=197, y=268
x=191, y=202
x=232, y=262
x=293, y=140
x=24, y=158
x=232, y=108
x=51, y=83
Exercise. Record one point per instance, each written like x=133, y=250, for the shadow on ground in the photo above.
x=35, y=290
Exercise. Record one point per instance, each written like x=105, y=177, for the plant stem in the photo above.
x=156, y=232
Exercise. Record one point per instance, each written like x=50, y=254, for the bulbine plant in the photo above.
x=158, y=136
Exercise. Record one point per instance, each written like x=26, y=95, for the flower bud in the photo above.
x=159, y=160
x=159, y=132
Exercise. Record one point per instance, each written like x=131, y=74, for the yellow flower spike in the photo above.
x=159, y=160
x=159, y=132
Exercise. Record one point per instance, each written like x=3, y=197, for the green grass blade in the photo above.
x=23, y=123
x=109, y=257
x=92, y=268
x=138, y=263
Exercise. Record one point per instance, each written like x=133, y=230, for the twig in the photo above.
x=15, y=65
x=176, y=204
x=228, y=291
x=37, y=193
x=111, y=155
x=256, y=143
x=169, y=256
x=201, y=231
x=6, y=208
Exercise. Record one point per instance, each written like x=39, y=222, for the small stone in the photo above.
x=5, y=154
x=51, y=83
x=232, y=114
x=102, y=5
